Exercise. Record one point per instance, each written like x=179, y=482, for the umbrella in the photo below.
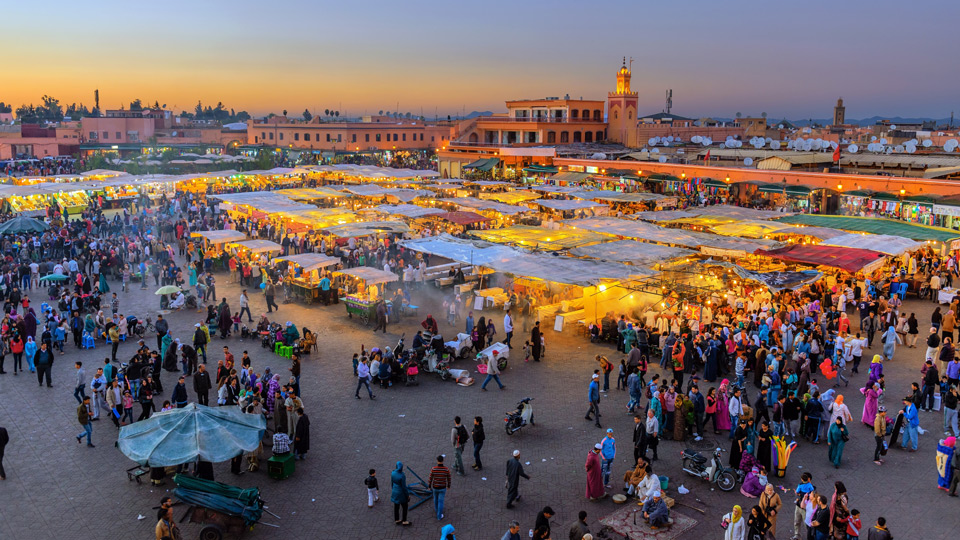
x=54, y=277
x=21, y=224
x=213, y=434
x=167, y=289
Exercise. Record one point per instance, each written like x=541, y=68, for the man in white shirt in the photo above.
x=508, y=328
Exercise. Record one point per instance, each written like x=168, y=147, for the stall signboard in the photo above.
x=944, y=210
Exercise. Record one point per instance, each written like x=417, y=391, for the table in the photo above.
x=945, y=296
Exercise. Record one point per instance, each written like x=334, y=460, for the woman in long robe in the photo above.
x=764, y=436
x=876, y=368
x=835, y=441
x=301, y=441
x=771, y=504
x=657, y=409
x=890, y=338
x=723, y=401
x=712, y=369
x=736, y=525
x=594, y=476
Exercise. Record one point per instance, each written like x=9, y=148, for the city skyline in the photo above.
x=435, y=59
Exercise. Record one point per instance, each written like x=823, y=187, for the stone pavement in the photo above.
x=55, y=485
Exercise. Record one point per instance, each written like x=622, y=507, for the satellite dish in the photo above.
x=853, y=149
x=678, y=139
x=790, y=144
x=889, y=150
x=695, y=139
x=670, y=138
x=873, y=138
x=748, y=162
x=652, y=141
x=666, y=144
x=951, y=145
x=911, y=149
x=834, y=145
x=774, y=145
x=894, y=126
x=883, y=140
x=807, y=145
x=655, y=151
x=912, y=142
x=898, y=148
x=723, y=145
x=708, y=141
x=927, y=143
x=663, y=159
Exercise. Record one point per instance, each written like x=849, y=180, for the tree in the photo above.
x=198, y=110
x=739, y=115
x=338, y=114
x=4, y=108
x=156, y=104
x=407, y=116
x=326, y=112
x=242, y=116
x=53, y=110
x=284, y=112
x=381, y=112
x=307, y=116
x=764, y=115
x=136, y=105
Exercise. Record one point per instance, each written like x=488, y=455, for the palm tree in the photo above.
x=326, y=112
x=337, y=114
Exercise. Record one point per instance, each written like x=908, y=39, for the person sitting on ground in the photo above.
x=179, y=301
x=655, y=511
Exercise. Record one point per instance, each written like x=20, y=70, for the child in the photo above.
x=127, y=407
x=853, y=524
x=622, y=375
x=526, y=351
x=236, y=322
x=356, y=362
x=60, y=335
x=373, y=493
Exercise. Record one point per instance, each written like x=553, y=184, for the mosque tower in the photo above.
x=622, y=110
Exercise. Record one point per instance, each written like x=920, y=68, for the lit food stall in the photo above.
x=252, y=249
x=303, y=276
x=24, y=200
x=364, y=287
x=316, y=219
x=540, y=237
x=214, y=241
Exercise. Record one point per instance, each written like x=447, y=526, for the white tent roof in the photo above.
x=408, y=210
x=576, y=204
x=371, y=276
x=481, y=204
x=219, y=237
x=259, y=246
x=884, y=243
x=631, y=251
x=310, y=261
x=648, y=232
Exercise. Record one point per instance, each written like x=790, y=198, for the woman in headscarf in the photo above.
x=836, y=439
x=103, y=287
x=482, y=332
x=723, y=402
x=839, y=410
x=876, y=368
x=839, y=511
x=629, y=338
x=736, y=525
x=170, y=353
x=399, y=495
x=764, y=438
x=164, y=345
x=446, y=533
x=657, y=409
x=890, y=338
x=871, y=393
x=803, y=380
x=770, y=503
x=29, y=350
x=757, y=524
x=225, y=320
x=30, y=323
x=90, y=326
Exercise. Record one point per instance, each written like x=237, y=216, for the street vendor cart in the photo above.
x=303, y=277
x=222, y=510
x=366, y=287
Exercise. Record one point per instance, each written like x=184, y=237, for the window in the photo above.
x=378, y=137
x=119, y=136
x=577, y=137
x=366, y=138
x=93, y=135
x=296, y=136
x=574, y=113
x=432, y=138
x=616, y=115
x=281, y=135
x=271, y=135
x=328, y=137
x=263, y=135
x=600, y=136
x=629, y=115
x=394, y=137
x=585, y=114
x=596, y=115
x=339, y=137
x=256, y=139
x=306, y=136
x=588, y=136
x=353, y=138
x=551, y=137
x=564, y=137
x=404, y=136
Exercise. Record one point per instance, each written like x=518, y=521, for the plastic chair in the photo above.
x=276, y=347
x=903, y=290
x=286, y=351
x=88, y=342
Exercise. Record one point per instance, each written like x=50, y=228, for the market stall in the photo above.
x=303, y=275
x=364, y=287
x=539, y=237
x=214, y=242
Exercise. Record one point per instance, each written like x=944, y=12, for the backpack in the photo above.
x=462, y=435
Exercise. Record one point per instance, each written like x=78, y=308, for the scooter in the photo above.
x=696, y=464
x=519, y=417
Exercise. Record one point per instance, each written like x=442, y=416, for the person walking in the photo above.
x=439, y=481
x=493, y=372
x=363, y=378
x=270, y=292
x=83, y=416
x=593, y=396
x=594, y=475
x=245, y=305
x=5, y=438
x=514, y=473
x=399, y=495
x=78, y=391
x=880, y=530
x=579, y=528
x=911, y=424
x=478, y=438
x=879, y=433
x=179, y=396
x=43, y=360
x=202, y=385
x=653, y=430
x=459, y=437
x=508, y=329
x=536, y=342
x=837, y=437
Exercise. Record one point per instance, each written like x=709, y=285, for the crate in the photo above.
x=281, y=467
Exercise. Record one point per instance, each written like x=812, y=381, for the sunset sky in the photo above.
x=788, y=58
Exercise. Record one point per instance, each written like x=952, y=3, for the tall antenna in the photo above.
x=669, y=100
x=631, y=64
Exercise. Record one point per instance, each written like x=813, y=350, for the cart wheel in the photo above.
x=444, y=375
x=502, y=364
x=211, y=532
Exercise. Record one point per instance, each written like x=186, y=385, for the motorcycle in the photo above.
x=519, y=417
x=696, y=464
x=438, y=363
x=460, y=347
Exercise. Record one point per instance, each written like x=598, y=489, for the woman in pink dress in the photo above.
x=723, y=417
x=872, y=395
x=594, y=475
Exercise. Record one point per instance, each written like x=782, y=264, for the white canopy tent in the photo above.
x=884, y=243
x=310, y=261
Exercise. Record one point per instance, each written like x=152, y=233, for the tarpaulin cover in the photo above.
x=213, y=434
x=478, y=204
x=511, y=197
x=370, y=191
x=539, y=237
x=232, y=500
x=848, y=259
x=775, y=281
x=566, y=270
x=462, y=218
x=310, y=194
x=258, y=246
x=875, y=226
x=754, y=228
x=891, y=245
x=407, y=210
x=366, y=228
x=219, y=237
x=618, y=196
x=575, y=204
x=407, y=195
x=631, y=251
x=557, y=189
x=321, y=218
x=371, y=276
x=648, y=232
x=310, y=261
x=719, y=210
